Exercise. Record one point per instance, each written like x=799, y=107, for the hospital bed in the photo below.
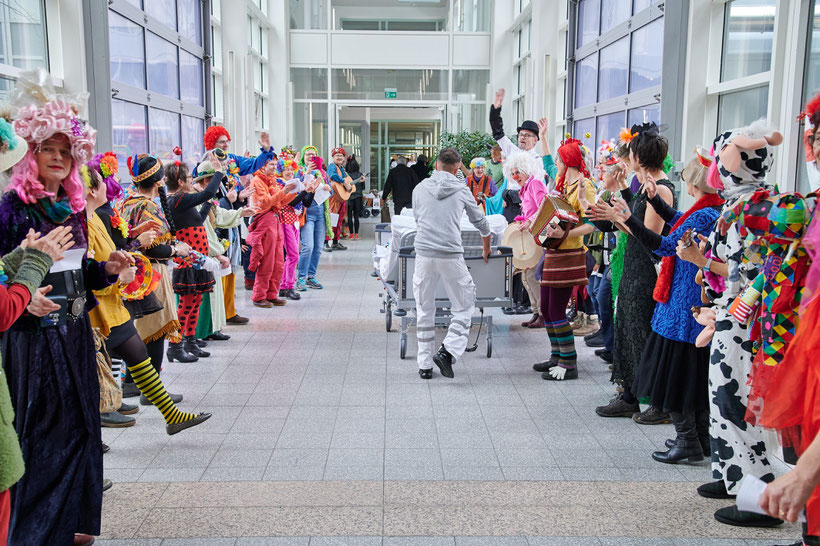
x=493, y=281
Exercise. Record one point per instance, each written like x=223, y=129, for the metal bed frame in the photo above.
x=493, y=282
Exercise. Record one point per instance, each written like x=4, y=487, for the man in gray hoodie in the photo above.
x=438, y=204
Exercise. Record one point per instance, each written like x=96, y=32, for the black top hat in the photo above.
x=529, y=125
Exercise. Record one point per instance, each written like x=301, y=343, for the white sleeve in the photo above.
x=507, y=146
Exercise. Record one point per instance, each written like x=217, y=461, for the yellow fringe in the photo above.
x=166, y=331
x=160, y=240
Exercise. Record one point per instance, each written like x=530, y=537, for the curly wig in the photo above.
x=25, y=180
x=212, y=134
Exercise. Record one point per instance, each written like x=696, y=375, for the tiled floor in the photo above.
x=320, y=430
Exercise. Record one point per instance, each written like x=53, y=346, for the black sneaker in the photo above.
x=426, y=374
x=444, y=361
x=327, y=248
x=594, y=340
x=338, y=246
x=652, y=416
x=523, y=310
x=605, y=355
x=508, y=310
x=292, y=295
x=618, y=407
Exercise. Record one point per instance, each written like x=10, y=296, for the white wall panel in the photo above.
x=308, y=48
x=355, y=49
x=471, y=50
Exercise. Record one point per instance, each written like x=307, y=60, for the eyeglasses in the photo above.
x=526, y=135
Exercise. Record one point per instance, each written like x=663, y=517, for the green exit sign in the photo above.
x=390, y=92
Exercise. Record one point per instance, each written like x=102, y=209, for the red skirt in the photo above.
x=564, y=268
x=187, y=279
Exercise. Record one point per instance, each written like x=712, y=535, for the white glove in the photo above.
x=212, y=265
x=557, y=372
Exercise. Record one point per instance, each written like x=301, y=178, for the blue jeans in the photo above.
x=312, y=236
x=592, y=290
x=605, y=312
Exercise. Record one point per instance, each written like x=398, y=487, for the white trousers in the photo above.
x=458, y=284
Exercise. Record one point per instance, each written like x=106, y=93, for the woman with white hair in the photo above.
x=526, y=171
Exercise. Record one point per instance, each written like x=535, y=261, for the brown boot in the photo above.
x=537, y=323
x=535, y=317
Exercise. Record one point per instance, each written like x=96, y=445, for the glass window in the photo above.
x=582, y=127
x=471, y=15
x=376, y=84
x=588, y=11
x=357, y=24
x=129, y=131
x=646, y=57
x=162, y=10
x=742, y=107
x=470, y=85
x=310, y=125
x=137, y=3
x=6, y=85
x=190, y=19
x=613, y=13
x=470, y=117
x=644, y=114
x=164, y=132
x=614, y=70
x=163, y=71
x=521, y=78
x=23, y=34
x=192, y=146
x=586, y=81
x=748, y=34
x=216, y=83
x=216, y=41
x=640, y=5
x=608, y=127
x=308, y=14
x=190, y=78
x=811, y=85
x=127, y=51
x=309, y=83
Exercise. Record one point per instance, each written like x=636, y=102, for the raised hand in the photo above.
x=117, y=262
x=231, y=196
x=290, y=186
x=264, y=141
x=213, y=159
x=650, y=187
x=147, y=237
x=499, y=98
x=248, y=211
x=56, y=242
x=247, y=192
x=543, y=127
x=148, y=225
x=622, y=212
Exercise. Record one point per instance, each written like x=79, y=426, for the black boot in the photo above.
x=178, y=353
x=686, y=445
x=201, y=343
x=191, y=346
x=702, y=426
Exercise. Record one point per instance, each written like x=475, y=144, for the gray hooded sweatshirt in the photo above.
x=438, y=202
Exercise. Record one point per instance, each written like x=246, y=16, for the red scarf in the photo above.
x=664, y=284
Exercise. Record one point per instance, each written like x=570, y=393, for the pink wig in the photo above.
x=25, y=180
x=713, y=176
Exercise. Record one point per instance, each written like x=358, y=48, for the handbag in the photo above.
x=110, y=391
x=555, y=212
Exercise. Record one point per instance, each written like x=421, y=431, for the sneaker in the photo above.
x=291, y=294
x=313, y=283
x=426, y=373
x=618, y=407
x=116, y=420
x=327, y=248
x=605, y=355
x=444, y=360
x=594, y=340
x=301, y=285
x=338, y=246
x=652, y=416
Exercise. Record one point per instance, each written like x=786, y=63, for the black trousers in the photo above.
x=354, y=212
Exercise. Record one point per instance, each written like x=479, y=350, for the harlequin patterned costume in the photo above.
x=776, y=224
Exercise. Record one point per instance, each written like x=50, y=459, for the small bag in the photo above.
x=110, y=391
x=553, y=211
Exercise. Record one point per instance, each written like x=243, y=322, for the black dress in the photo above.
x=635, y=305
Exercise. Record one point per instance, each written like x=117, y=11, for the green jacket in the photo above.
x=29, y=268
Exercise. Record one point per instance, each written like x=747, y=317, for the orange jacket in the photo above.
x=269, y=195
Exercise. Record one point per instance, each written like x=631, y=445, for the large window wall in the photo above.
x=23, y=43
x=618, y=66
x=391, y=16
x=157, y=73
x=746, y=62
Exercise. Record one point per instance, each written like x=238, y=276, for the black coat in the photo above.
x=422, y=170
x=400, y=182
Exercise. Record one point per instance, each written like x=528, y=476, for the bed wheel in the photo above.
x=388, y=315
x=489, y=348
x=402, y=348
